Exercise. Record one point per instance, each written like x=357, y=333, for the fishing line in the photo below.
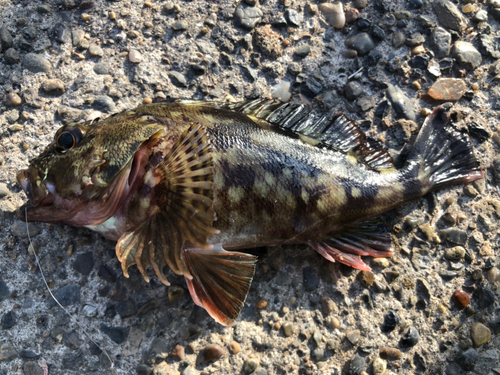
x=74, y=319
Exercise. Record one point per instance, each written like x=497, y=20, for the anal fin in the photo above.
x=368, y=238
x=220, y=281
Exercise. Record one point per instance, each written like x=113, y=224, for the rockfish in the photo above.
x=189, y=184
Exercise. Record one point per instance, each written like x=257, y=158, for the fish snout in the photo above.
x=33, y=186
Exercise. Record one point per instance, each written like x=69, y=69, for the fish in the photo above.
x=191, y=184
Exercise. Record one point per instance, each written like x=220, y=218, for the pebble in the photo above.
x=310, y=279
x=493, y=275
x=440, y=42
x=414, y=40
x=303, y=50
x=400, y=102
x=101, y=68
x=250, y=366
x=36, y=63
x=12, y=100
x=177, y=78
x=7, y=352
x=212, y=352
x=8, y=320
x=32, y=368
x=104, y=103
x=480, y=334
x=180, y=26
x=391, y=320
x=96, y=50
x=77, y=36
x=454, y=235
x=5, y=38
x=287, y=329
x=4, y=190
x=4, y=290
x=247, y=16
x=360, y=4
x=467, y=359
x=134, y=56
x=61, y=33
x=235, y=347
x=398, y=39
x=328, y=305
x=51, y=85
x=389, y=353
x=366, y=278
x=448, y=15
x=447, y=89
x=334, y=14
x=282, y=91
x=352, y=15
x=410, y=338
x=466, y=55
x=353, y=336
x=461, y=298
x=117, y=334
x=19, y=229
x=357, y=365
x=318, y=355
x=379, y=366
x=293, y=18
x=455, y=253
x=353, y=90
x=362, y=43
x=11, y=56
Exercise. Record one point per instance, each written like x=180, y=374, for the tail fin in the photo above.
x=442, y=154
x=220, y=281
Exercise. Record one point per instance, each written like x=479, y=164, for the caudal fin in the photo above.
x=442, y=154
x=220, y=281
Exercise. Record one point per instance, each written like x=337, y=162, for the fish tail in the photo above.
x=441, y=154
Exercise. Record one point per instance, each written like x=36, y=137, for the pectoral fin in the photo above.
x=220, y=281
x=364, y=239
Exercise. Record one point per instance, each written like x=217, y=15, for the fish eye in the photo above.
x=69, y=139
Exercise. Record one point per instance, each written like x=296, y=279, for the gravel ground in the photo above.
x=384, y=63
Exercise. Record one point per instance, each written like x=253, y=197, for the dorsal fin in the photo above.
x=332, y=130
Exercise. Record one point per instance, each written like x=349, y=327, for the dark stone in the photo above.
x=68, y=295
x=302, y=51
x=8, y=320
x=104, y=103
x=361, y=43
x=101, y=68
x=36, y=63
x=357, y=365
x=391, y=320
x=84, y=263
x=44, y=9
x=401, y=24
x=400, y=102
x=61, y=33
x=489, y=46
x=87, y=4
x=72, y=340
x=116, y=334
x=478, y=132
x=467, y=359
x=126, y=308
x=446, y=65
x=28, y=354
x=416, y=4
x=293, y=17
x=144, y=370
x=5, y=38
x=110, y=310
x=377, y=33
x=448, y=15
x=310, y=279
x=312, y=87
x=420, y=61
x=440, y=41
x=251, y=74
x=414, y=40
x=24, y=44
x=73, y=360
x=353, y=90
x=410, y=338
x=107, y=274
x=94, y=349
x=4, y=290
x=383, y=109
x=11, y=56
x=485, y=297
x=363, y=24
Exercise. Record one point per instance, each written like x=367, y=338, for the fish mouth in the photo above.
x=32, y=184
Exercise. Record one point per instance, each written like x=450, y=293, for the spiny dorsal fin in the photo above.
x=180, y=186
x=331, y=130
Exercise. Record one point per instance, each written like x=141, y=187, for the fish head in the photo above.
x=89, y=163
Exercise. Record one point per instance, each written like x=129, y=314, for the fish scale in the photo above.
x=191, y=184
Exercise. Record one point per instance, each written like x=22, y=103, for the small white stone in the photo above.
x=90, y=311
x=134, y=56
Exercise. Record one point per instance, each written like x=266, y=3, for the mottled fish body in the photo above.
x=189, y=184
